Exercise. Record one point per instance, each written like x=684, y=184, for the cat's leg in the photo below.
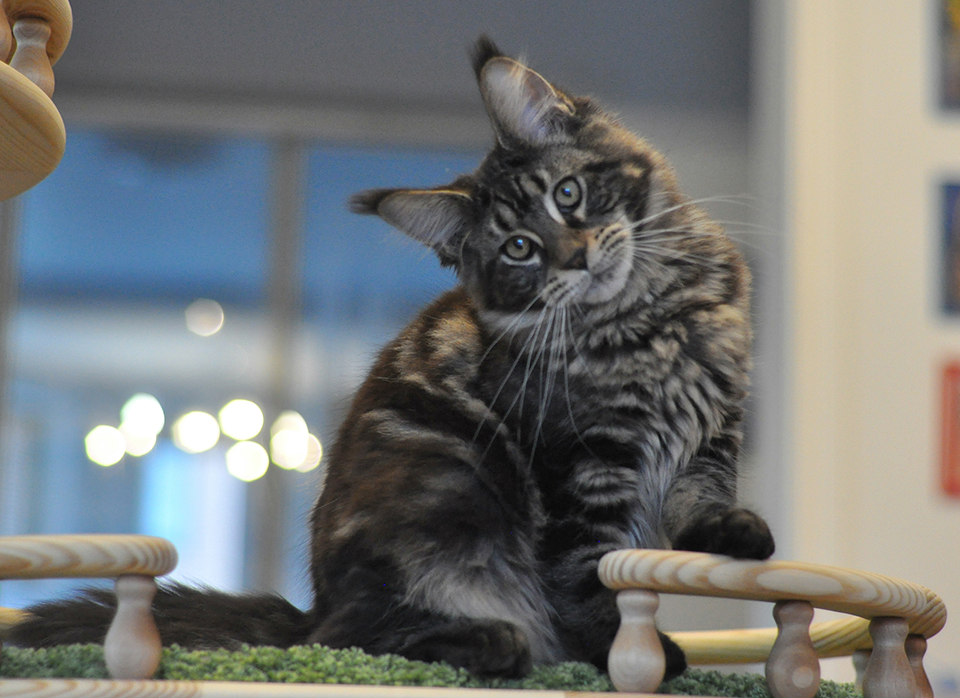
x=592, y=513
x=367, y=612
x=700, y=512
x=435, y=570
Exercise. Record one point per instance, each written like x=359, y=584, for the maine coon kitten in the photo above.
x=578, y=392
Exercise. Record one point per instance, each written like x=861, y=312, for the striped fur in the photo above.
x=578, y=392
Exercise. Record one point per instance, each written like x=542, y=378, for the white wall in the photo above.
x=866, y=150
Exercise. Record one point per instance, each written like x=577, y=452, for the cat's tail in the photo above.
x=194, y=618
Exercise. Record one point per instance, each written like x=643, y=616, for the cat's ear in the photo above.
x=436, y=218
x=524, y=108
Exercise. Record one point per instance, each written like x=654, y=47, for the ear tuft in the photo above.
x=367, y=202
x=482, y=52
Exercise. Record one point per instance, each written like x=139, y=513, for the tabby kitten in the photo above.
x=578, y=392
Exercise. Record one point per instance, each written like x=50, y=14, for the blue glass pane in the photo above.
x=138, y=216
x=354, y=264
x=159, y=221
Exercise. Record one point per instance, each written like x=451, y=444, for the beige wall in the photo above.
x=866, y=152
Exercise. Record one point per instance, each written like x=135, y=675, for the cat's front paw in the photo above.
x=735, y=532
x=482, y=647
x=674, y=656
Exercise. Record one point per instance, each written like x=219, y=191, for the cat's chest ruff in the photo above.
x=647, y=391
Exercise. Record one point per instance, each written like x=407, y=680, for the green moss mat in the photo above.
x=322, y=665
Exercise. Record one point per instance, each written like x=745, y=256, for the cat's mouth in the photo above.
x=592, y=286
x=608, y=276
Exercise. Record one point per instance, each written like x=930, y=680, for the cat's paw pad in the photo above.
x=735, y=532
x=482, y=647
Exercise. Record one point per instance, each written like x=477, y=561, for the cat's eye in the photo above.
x=519, y=247
x=567, y=194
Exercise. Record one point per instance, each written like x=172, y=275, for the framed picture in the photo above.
x=949, y=292
x=949, y=23
x=950, y=436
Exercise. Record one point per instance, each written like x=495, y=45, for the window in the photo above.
x=115, y=246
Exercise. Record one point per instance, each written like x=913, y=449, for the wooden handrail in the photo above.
x=132, y=645
x=895, y=617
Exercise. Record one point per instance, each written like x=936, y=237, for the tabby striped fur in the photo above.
x=579, y=391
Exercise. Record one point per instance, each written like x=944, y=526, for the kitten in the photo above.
x=579, y=391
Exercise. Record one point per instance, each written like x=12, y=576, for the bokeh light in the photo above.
x=141, y=419
x=241, y=419
x=314, y=454
x=137, y=443
x=105, y=445
x=247, y=461
x=288, y=440
x=142, y=414
x=289, y=421
x=204, y=317
x=288, y=448
x=196, y=432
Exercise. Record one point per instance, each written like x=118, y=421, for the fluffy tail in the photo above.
x=190, y=617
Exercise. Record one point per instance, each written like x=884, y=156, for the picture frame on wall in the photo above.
x=949, y=291
x=950, y=429
x=949, y=50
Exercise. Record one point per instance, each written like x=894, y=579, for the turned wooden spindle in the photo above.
x=889, y=674
x=132, y=645
x=637, y=663
x=860, y=660
x=6, y=36
x=31, y=59
x=916, y=647
x=793, y=668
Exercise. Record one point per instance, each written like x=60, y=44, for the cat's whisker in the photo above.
x=741, y=199
x=533, y=357
x=567, y=330
x=503, y=384
x=546, y=372
x=511, y=326
x=643, y=251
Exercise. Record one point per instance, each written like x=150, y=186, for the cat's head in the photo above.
x=555, y=214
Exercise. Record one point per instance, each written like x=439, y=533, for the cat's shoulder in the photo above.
x=444, y=340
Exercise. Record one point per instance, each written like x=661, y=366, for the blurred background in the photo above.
x=188, y=306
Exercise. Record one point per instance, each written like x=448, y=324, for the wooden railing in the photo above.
x=888, y=636
x=132, y=646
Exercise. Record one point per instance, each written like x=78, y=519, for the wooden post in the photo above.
x=916, y=647
x=31, y=59
x=793, y=668
x=889, y=674
x=637, y=663
x=132, y=646
x=6, y=37
x=860, y=660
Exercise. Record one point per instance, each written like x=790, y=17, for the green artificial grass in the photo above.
x=319, y=664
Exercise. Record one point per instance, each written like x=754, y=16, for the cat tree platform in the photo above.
x=887, y=635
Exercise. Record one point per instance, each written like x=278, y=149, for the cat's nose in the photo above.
x=578, y=260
